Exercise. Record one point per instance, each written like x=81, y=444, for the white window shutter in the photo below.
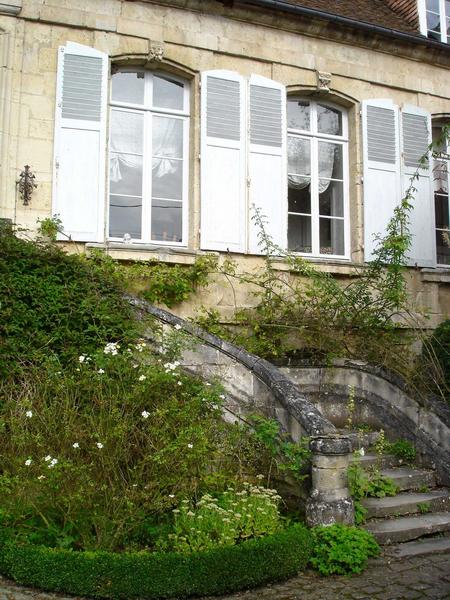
x=415, y=139
x=80, y=142
x=382, y=188
x=267, y=161
x=223, y=194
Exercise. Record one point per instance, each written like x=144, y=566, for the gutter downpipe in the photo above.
x=286, y=7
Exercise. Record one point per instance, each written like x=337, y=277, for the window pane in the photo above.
x=299, y=234
x=300, y=198
x=125, y=174
x=126, y=132
x=443, y=247
x=128, y=87
x=329, y=120
x=166, y=221
x=299, y=156
x=331, y=236
x=125, y=216
x=168, y=93
x=440, y=176
x=298, y=115
x=433, y=23
x=167, y=178
x=330, y=160
x=433, y=5
x=331, y=201
x=441, y=211
x=167, y=137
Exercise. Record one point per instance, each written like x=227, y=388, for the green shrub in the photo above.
x=402, y=449
x=436, y=354
x=238, y=515
x=56, y=304
x=96, y=452
x=159, y=575
x=342, y=550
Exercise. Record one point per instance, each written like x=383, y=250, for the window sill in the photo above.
x=438, y=275
x=144, y=252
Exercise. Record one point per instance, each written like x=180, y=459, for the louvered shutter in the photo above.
x=381, y=168
x=415, y=138
x=80, y=138
x=223, y=194
x=267, y=161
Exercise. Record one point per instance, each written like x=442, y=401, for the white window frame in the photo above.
x=422, y=9
x=148, y=110
x=314, y=136
x=438, y=122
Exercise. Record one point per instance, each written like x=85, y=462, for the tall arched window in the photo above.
x=317, y=179
x=148, y=153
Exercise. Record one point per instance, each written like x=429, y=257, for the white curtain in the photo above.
x=167, y=136
x=126, y=136
x=302, y=161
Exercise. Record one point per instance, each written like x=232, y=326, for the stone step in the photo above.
x=403, y=529
x=407, y=503
x=374, y=460
x=407, y=478
x=432, y=545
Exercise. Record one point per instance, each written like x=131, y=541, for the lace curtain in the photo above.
x=301, y=159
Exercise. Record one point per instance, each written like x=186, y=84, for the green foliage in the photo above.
x=436, y=357
x=94, y=452
x=159, y=575
x=423, y=507
x=55, y=305
x=342, y=550
x=285, y=455
x=402, y=449
x=364, y=484
x=238, y=515
x=169, y=284
x=50, y=227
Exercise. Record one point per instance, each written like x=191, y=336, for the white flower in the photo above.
x=260, y=476
x=81, y=358
x=76, y=445
x=99, y=445
x=100, y=371
x=145, y=414
x=41, y=477
x=361, y=452
x=222, y=396
x=135, y=366
x=52, y=463
x=29, y=414
x=178, y=327
x=179, y=383
x=28, y=462
x=171, y=495
x=111, y=348
x=190, y=445
x=47, y=458
x=140, y=346
x=207, y=383
x=142, y=378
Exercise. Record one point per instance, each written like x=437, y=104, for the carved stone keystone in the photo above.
x=330, y=500
x=323, y=81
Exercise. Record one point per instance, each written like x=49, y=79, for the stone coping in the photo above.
x=282, y=388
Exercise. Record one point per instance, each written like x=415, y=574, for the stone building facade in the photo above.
x=154, y=127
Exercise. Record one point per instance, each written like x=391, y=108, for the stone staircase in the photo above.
x=416, y=520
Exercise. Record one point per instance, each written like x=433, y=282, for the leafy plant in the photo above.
x=364, y=484
x=50, y=227
x=286, y=456
x=402, y=449
x=342, y=550
x=423, y=507
x=237, y=515
x=436, y=356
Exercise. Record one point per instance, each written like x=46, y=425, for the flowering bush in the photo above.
x=95, y=452
x=238, y=515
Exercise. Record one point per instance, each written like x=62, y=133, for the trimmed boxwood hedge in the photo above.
x=158, y=575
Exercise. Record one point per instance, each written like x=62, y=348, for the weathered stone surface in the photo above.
x=321, y=510
x=392, y=531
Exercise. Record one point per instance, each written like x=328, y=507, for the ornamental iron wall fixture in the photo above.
x=26, y=184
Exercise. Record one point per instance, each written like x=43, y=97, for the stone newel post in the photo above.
x=330, y=501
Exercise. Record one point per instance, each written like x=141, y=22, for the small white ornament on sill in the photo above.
x=127, y=238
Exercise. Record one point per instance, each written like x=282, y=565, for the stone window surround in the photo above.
x=443, y=14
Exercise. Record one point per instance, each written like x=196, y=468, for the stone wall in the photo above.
x=195, y=36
